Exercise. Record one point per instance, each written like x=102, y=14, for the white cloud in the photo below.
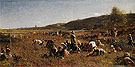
x=97, y=14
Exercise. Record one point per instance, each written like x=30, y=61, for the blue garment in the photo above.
x=41, y=44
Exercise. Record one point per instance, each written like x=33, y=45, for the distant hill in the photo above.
x=52, y=26
x=99, y=22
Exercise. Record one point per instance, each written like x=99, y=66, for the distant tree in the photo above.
x=118, y=17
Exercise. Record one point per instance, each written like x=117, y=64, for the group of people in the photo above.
x=60, y=52
x=93, y=47
x=64, y=49
x=73, y=46
x=110, y=32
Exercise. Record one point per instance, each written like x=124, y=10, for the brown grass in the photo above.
x=32, y=54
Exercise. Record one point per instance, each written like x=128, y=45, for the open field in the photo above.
x=32, y=54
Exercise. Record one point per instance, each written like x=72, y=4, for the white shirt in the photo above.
x=93, y=44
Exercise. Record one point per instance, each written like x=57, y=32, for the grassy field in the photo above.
x=32, y=54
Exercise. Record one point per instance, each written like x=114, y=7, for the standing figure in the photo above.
x=130, y=40
x=73, y=40
x=73, y=37
x=115, y=32
x=60, y=33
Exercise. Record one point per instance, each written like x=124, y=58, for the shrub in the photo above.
x=123, y=45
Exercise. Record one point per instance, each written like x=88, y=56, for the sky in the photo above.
x=28, y=13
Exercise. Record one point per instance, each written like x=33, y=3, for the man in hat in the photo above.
x=73, y=40
x=73, y=37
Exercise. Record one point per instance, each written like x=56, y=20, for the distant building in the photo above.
x=35, y=25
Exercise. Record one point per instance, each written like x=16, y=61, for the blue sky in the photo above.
x=28, y=13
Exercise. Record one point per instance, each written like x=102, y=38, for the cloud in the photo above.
x=97, y=14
